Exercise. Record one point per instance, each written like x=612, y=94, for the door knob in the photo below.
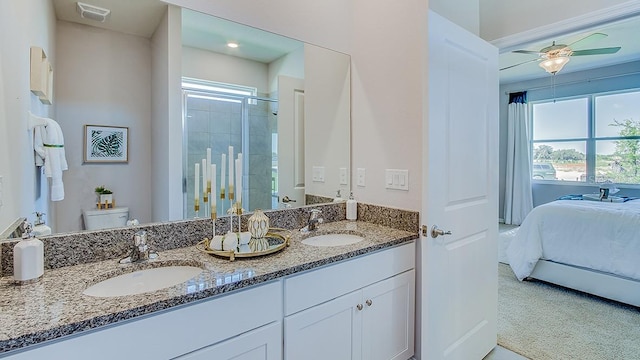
x=286, y=199
x=369, y=302
x=435, y=232
x=359, y=306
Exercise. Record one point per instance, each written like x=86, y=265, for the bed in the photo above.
x=586, y=245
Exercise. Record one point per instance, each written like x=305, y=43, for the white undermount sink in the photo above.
x=332, y=240
x=143, y=281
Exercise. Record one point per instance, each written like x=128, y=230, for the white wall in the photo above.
x=464, y=13
x=387, y=97
x=323, y=23
x=22, y=24
x=327, y=92
x=291, y=65
x=207, y=65
x=166, y=117
x=103, y=78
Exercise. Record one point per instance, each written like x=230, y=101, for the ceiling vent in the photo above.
x=92, y=12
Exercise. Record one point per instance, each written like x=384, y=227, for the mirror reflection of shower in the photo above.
x=217, y=116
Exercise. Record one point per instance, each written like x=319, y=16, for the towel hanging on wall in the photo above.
x=49, y=147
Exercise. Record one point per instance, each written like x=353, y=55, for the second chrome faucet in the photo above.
x=314, y=220
x=139, y=249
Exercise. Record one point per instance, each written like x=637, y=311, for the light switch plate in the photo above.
x=361, y=177
x=397, y=179
x=343, y=176
x=318, y=174
x=1, y=190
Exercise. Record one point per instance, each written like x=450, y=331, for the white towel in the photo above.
x=55, y=161
x=39, y=133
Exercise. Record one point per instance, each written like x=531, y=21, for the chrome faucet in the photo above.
x=314, y=220
x=139, y=249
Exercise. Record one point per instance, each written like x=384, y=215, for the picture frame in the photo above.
x=106, y=144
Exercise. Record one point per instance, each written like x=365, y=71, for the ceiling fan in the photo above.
x=553, y=58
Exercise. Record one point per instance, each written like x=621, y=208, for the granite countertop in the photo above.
x=55, y=306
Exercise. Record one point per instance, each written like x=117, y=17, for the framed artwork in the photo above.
x=106, y=144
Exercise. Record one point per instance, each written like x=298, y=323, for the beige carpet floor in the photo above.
x=543, y=321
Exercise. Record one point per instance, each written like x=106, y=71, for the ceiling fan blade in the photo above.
x=600, y=51
x=587, y=39
x=527, y=52
x=528, y=61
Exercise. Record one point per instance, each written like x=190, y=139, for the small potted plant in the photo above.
x=105, y=195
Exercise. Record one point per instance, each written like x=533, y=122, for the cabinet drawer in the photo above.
x=264, y=343
x=308, y=289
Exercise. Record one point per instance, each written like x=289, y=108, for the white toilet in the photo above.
x=103, y=219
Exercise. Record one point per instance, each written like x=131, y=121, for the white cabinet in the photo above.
x=376, y=321
x=264, y=343
x=357, y=309
x=328, y=331
x=388, y=318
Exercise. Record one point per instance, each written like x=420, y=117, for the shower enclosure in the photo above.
x=217, y=120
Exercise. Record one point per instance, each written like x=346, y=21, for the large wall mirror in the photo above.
x=293, y=130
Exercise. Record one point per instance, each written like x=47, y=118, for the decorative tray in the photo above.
x=278, y=240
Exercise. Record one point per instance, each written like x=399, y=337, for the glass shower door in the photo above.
x=217, y=121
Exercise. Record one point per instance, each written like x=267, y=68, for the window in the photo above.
x=219, y=88
x=592, y=138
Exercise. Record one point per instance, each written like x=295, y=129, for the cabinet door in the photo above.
x=331, y=330
x=264, y=343
x=388, y=318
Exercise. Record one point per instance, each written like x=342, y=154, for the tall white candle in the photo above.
x=231, y=183
x=223, y=166
x=239, y=178
x=214, y=207
x=196, y=195
x=209, y=171
x=205, y=168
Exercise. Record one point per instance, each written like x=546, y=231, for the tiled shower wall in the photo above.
x=218, y=125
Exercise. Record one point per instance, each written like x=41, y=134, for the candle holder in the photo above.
x=214, y=216
x=222, y=197
x=235, y=209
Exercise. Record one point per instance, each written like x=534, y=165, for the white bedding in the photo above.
x=598, y=235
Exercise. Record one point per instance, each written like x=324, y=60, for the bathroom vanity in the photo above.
x=353, y=301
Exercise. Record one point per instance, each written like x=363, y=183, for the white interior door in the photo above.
x=458, y=295
x=291, y=140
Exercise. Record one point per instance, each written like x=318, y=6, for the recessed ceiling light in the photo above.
x=232, y=44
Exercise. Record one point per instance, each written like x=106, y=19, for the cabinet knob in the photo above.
x=359, y=306
x=369, y=302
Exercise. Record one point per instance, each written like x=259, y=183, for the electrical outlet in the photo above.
x=318, y=174
x=343, y=176
x=361, y=177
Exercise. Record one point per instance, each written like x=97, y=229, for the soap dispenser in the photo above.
x=40, y=228
x=352, y=208
x=28, y=256
x=338, y=197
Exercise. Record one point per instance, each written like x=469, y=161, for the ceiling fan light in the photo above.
x=554, y=64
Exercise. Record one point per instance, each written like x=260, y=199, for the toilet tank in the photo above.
x=103, y=219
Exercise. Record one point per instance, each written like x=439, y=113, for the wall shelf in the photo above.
x=41, y=76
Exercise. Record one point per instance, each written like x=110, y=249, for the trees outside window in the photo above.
x=594, y=138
